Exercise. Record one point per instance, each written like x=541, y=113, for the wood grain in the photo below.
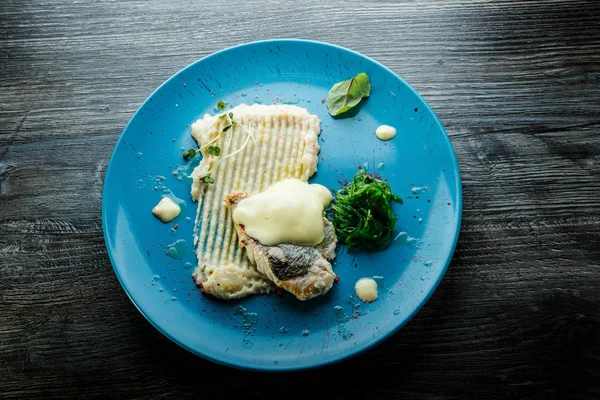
x=515, y=83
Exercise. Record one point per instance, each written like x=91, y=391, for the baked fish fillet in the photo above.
x=286, y=147
x=304, y=271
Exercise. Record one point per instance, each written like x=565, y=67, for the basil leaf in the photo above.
x=345, y=95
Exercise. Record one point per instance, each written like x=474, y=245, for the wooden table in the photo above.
x=515, y=83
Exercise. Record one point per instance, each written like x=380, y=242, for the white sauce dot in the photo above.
x=385, y=132
x=166, y=210
x=366, y=290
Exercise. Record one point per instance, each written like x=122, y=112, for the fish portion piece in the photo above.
x=304, y=271
x=285, y=145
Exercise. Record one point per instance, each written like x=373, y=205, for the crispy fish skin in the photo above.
x=304, y=271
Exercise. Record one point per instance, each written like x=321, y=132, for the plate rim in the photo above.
x=355, y=351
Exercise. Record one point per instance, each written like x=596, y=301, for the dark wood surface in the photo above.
x=515, y=83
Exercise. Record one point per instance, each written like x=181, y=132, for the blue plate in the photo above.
x=272, y=332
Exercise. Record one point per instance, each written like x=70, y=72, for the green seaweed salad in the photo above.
x=362, y=213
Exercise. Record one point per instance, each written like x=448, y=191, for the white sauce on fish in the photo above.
x=290, y=211
x=385, y=132
x=366, y=290
x=166, y=210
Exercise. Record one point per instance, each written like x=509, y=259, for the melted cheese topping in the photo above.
x=166, y=210
x=366, y=290
x=290, y=211
x=385, y=132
